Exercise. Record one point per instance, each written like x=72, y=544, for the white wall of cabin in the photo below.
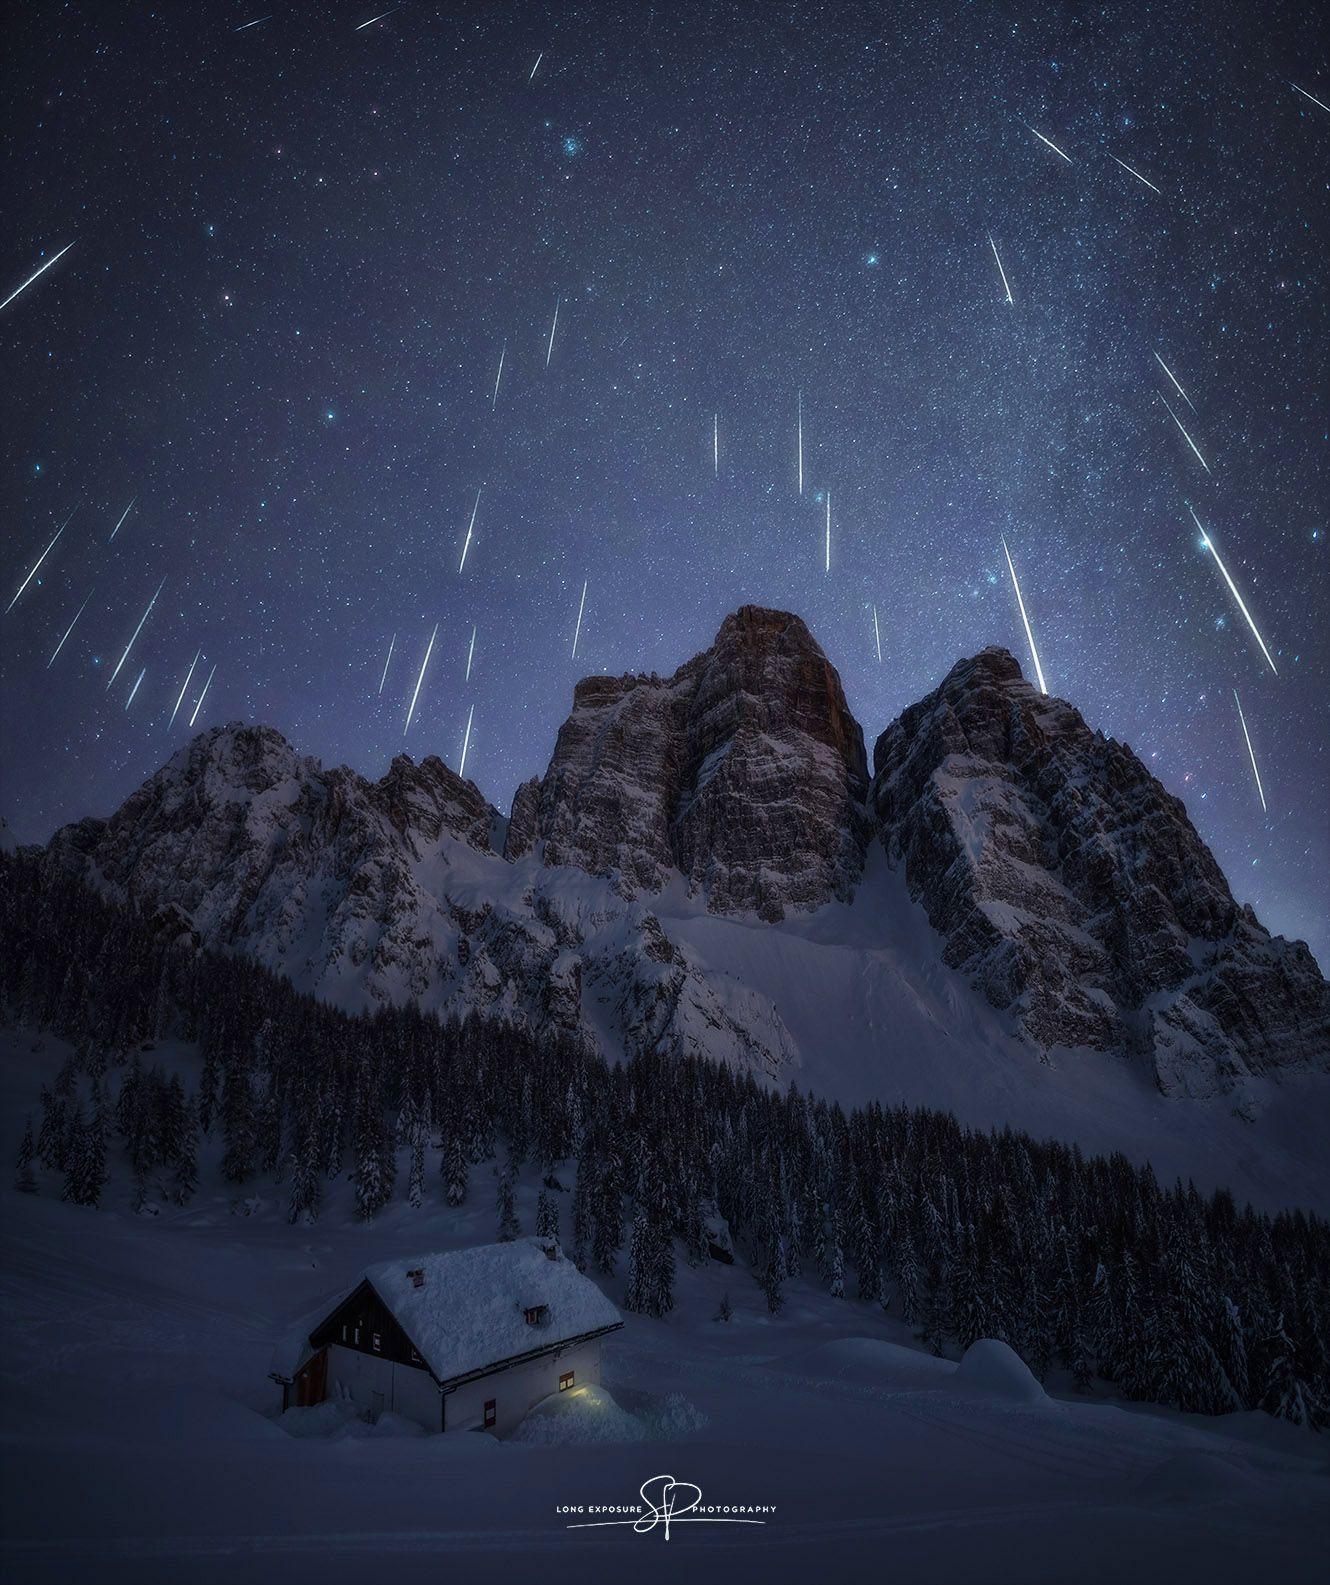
x=406, y=1389
x=516, y=1390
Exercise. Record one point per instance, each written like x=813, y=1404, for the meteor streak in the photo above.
x=38, y=563
x=1006, y=284
x=549, y=350
x=36, y=273
x=1233, y=588
x=254, y=23
x=466, y=741
x=373, y=20
x=1185, y=435
x=877, y=635
x=801, y=442
x=1050, y=143
x=1250, y=750
x=469, y=527
x=536, y=67
x=416, y=695
x=183, y=686
x=1134, y=173
x=1174, y=379
x=135, y=688
x=494, y=400
x=827, y=568
x=147, y=612
x=69, y=629
x=1294, y=86
x=577, y=632
x=391, y=643
x=715, y=444
x=1039, y=670
x=470, y=654
x=203, y=696
x=123, y=516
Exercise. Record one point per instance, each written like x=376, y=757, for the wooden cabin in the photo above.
x=465, y=1341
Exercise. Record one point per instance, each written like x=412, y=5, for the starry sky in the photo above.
x=302, y=247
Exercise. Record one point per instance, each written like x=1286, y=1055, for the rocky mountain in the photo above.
x=705, y=867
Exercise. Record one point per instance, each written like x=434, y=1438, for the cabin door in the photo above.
x=312, y=1386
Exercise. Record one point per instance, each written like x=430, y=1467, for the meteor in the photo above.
x=877, y=636
x=715, y=444
x=183, y=686
x=123, y=516
x=469, y=527
x=373, y=20
x=466, y=741
x=1250, y=750
x=1174, y=379
x=1185, y=435
x=1131, y=172
x=1050, y=143
x=135, y=688
x=203, y=696
x=391, y=642
x=1006, y=284
x=553, y=327
x=416, y=695
x=470, y=654
x=536, y=67
x=36, y=273
x=254, y=23
x=1233, y=588
x=69, y=629
x=494, y=400
x=147, y=612
x=827, y=568
x=1292, y=85
x=1039, y=670
x=801, y=442
x=38, y=563
x=577, y=632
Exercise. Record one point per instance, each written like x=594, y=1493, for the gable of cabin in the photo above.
x=365, y=1324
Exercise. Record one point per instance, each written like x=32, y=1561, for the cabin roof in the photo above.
x=470, y=1310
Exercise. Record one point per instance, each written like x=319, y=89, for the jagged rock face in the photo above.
x=744, y=771
x=1066, y=882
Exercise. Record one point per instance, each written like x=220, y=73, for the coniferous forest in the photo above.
x=1086, y=1263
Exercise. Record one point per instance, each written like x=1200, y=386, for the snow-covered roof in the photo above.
x=470, y=1310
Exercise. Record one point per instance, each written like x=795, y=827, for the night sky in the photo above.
x=301, y=247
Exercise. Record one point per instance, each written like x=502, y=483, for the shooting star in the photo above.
x=715, y=444
x=827, y=568
x=1250, y=750
x=38, y=563
x=494, y=400
x=1039, y=670
x=1233, y=588
x=416, y=695
x=1050, y=143
x=469, y=527
x=470, y=653
x=577, y=632
x=554, y=327
x=466, y=741
x=254, y=23
x=1006, y=284
x=135, y=688
x=1292, y=85
x=123, y=516
x=1134, y=173
x=801, y=442
x=1174, y=379
x=146, y=613
x=1185, y=435
x=373, y=20
x=183, y=686
x=36, y=273
x=203, y=696
x=69, y=629
x=877, y=636
x=391, y=643
x=536, y=67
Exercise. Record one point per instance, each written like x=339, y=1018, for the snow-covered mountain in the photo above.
x=706, y=868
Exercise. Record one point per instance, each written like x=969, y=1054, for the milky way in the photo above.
x=714, y=247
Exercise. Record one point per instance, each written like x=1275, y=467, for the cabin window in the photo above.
x=491, y=1411
x=415, y=1358
x=356, y=1339
x=537, y=1314
x=565, y=1381
x=346, y=1332
x=378, y=1342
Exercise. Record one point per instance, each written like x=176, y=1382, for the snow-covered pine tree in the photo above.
x=509, y=1226
x=25, y=1181
x=547, y=1216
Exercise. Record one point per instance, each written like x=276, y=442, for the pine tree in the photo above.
x=725, y=1311
x=185, y=1156
x=26, y=1181
x=454, y=1168
x=509, y=1227
x=547, y=1216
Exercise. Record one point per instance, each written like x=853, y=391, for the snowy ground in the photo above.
x=140, y=1442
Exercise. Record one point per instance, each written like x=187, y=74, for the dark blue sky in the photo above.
x=300, y=248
